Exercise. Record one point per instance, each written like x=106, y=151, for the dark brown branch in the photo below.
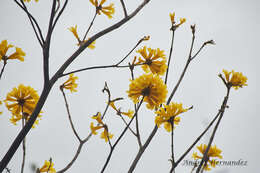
x=33, y=22
x=3, y=68
x=124, y=8
x=59, y=73
x=60, y=13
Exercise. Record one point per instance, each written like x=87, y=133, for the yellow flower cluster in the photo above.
x=21, y=101
x=213, y=152
x=70, y=84
x=18, y=54
x=129, y=113
x=48, y=167
x=105, y=134
x=174, y=25
x=168, y=114
x=80, y=42
x=154, y=60
x=237, y=80
x=150, y=87
x=107, y=10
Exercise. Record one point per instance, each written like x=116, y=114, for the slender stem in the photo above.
x=222, y=110
x=60, y=13
x=91, y=24
x=120, y=137
x=172, y=146
x=69, y=115
x=73, y=159
x=137, y=44
x=3, y=68
x=196, y=141
x=169, y=60
x=33, y=22
x=126, y=125
x=24, y=147
x=124, y=8
x=99, y=67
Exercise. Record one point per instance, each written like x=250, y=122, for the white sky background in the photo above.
x=233, y=24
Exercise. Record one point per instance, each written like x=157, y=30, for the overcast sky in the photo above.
x=233, y=24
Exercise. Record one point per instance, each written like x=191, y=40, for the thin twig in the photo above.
x=120, y=137
x=60, y=13
x=126, y=125
x=137, y=44
x=49, y=165
x=172, y=145
x=33, y=22
x=24, y=146
x=170, y=56
x=73, y=159
x=222, y=110
x=3, y=68
x=98, y=67
x=196, y=141
x=124, y=8
x=91, y=24
x=69, y=115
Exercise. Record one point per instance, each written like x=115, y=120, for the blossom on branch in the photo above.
x=107, y=10
x=129, y=113
x=151, y=87
x=18, y=54
x=237, y=80
x=80, y=42
x=174, y=25
x=48, y=167
x=70, y=84
x=101, y=125
x=213, y=152
x=154, y=60
x=21, y=101
x=167, y=115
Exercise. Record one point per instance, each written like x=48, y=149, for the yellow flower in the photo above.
x=75, y=33
x=237, y=80
x=0, y=104
x=94, y=128
x=21, y=102
x=151, y=87
x=107, y=10
x=129, y=113
x=174, y=25
x=18, y=54
x=70, y=84
x=172, y=16
x=213, y=152
x=48, y=167
x=104, y=135
x=98, y=118
x=165, y=115
x=151, y=62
